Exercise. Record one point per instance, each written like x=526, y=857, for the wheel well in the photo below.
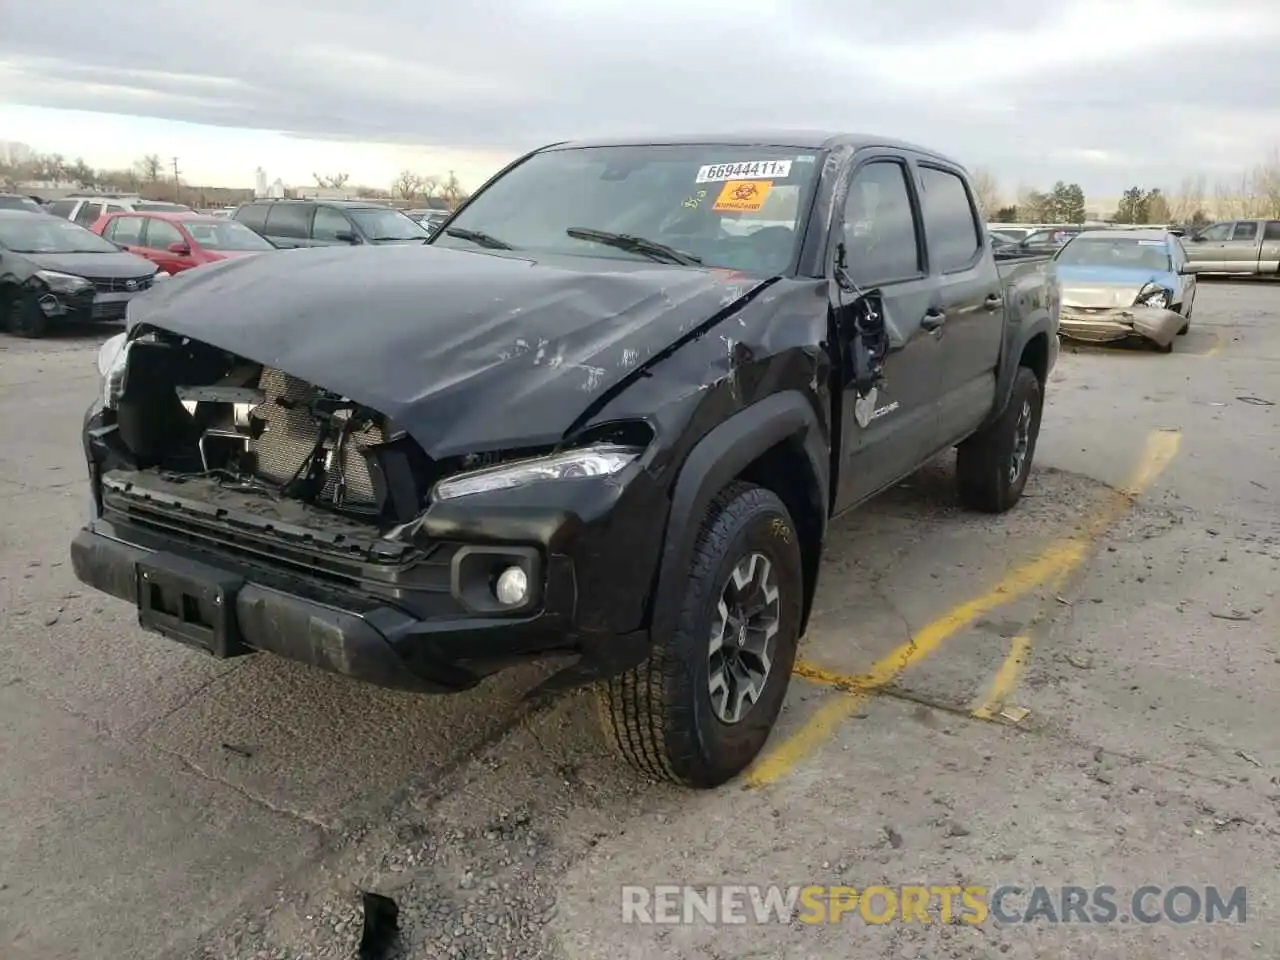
x=1035, y=356
x=785, y=469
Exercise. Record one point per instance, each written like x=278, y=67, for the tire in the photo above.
x=1185, y=327
x=664, y=717
x=25, y=319
x=1167, y=348
x=985, y=463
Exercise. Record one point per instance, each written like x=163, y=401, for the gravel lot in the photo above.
x=162, y=804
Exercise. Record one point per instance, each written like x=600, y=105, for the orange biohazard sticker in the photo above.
x=742, y=196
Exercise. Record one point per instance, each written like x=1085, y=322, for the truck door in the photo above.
x=1269, y=258
x=1206, y=251
x=888, y=433
x=1240, y=253
x=970, y=330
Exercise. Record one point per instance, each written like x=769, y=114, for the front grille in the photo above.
x=110, y=311
x=120, y=284
x=290, y=433
x=283, y=537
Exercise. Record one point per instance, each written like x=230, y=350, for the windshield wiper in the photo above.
x=626, y=241
x=477, y=236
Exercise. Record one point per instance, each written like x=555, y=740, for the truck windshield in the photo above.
x=736, y=207
x=1116, y=252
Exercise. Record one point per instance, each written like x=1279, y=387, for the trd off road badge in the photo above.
x=865, y=409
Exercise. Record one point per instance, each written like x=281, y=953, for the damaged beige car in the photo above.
x=1125, y=285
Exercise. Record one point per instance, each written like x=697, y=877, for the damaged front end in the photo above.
x=1119, y=313
x=242, y=508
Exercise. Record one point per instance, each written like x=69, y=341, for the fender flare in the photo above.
x=722, y=454
x=1012, y=360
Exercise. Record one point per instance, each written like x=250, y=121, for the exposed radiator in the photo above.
x=289, y=435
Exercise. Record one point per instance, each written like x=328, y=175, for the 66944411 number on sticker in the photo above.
x=744, y=170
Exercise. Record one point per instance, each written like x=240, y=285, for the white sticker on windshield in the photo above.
x=744, y=170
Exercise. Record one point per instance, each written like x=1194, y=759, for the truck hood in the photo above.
x=468, y=352
x=113, y=266
x=1105, y=287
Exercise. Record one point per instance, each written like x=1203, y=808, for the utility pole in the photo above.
x=176, y=186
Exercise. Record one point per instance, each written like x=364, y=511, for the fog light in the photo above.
x=512, y=588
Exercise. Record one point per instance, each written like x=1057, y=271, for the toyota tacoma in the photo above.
x=604, y=418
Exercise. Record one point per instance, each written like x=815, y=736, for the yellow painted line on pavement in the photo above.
x=1005, y=680
x=1160, y=449
x=854, y=687
x=1062, y=557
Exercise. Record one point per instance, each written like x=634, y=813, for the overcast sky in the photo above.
x=1104, y=93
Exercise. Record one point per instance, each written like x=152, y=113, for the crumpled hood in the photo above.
x=467, y=351
x=1106, y=287
x=114, y=266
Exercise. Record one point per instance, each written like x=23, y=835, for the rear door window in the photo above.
x=253, y=216
x=289, y=220
x=61, y=208
x=125, y=230
x=950, y=220
x=88, y=213
x=1273, y=230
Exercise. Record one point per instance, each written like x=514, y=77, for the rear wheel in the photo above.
x=992, y=466
x=701, y=707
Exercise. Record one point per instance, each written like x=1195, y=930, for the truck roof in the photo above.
x=800, y=139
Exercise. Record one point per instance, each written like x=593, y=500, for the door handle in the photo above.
x=932, y=320
x=993, y=301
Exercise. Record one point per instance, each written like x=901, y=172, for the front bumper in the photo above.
x=84, y=305
x=1108, y=325
x=227, y=609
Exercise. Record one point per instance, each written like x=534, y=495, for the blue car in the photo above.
x=1125, y=285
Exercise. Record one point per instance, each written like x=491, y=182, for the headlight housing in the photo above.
x=113, y=360
x=598, y=460
x=161, y=275
x=1155, y=297
x=64, y=282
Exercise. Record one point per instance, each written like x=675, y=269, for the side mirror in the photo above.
x=180, y=249
x=346, y=236
x=1196, y=238
x=865, y=337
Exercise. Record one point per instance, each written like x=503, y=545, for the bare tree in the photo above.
x=407, y=184
x=150, y=168
x=1265, y=184
x=1188, y=199
x=451, y=190
x=334, y=182
x=429, y=185
x=985, y=189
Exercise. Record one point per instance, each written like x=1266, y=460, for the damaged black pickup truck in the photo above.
x=606, y=414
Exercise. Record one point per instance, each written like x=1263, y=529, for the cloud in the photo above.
x=1101, y=92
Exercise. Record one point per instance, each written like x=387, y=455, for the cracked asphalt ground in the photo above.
x=1082, y=692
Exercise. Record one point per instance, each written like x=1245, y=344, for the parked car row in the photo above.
x=149, y=240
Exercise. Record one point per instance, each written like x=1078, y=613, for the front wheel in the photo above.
x=701, y=707
x=25, y=318
x=992, y=466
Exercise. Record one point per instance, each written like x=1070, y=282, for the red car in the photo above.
x=180, y=241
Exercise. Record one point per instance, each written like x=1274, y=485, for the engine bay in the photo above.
x=189, y=410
